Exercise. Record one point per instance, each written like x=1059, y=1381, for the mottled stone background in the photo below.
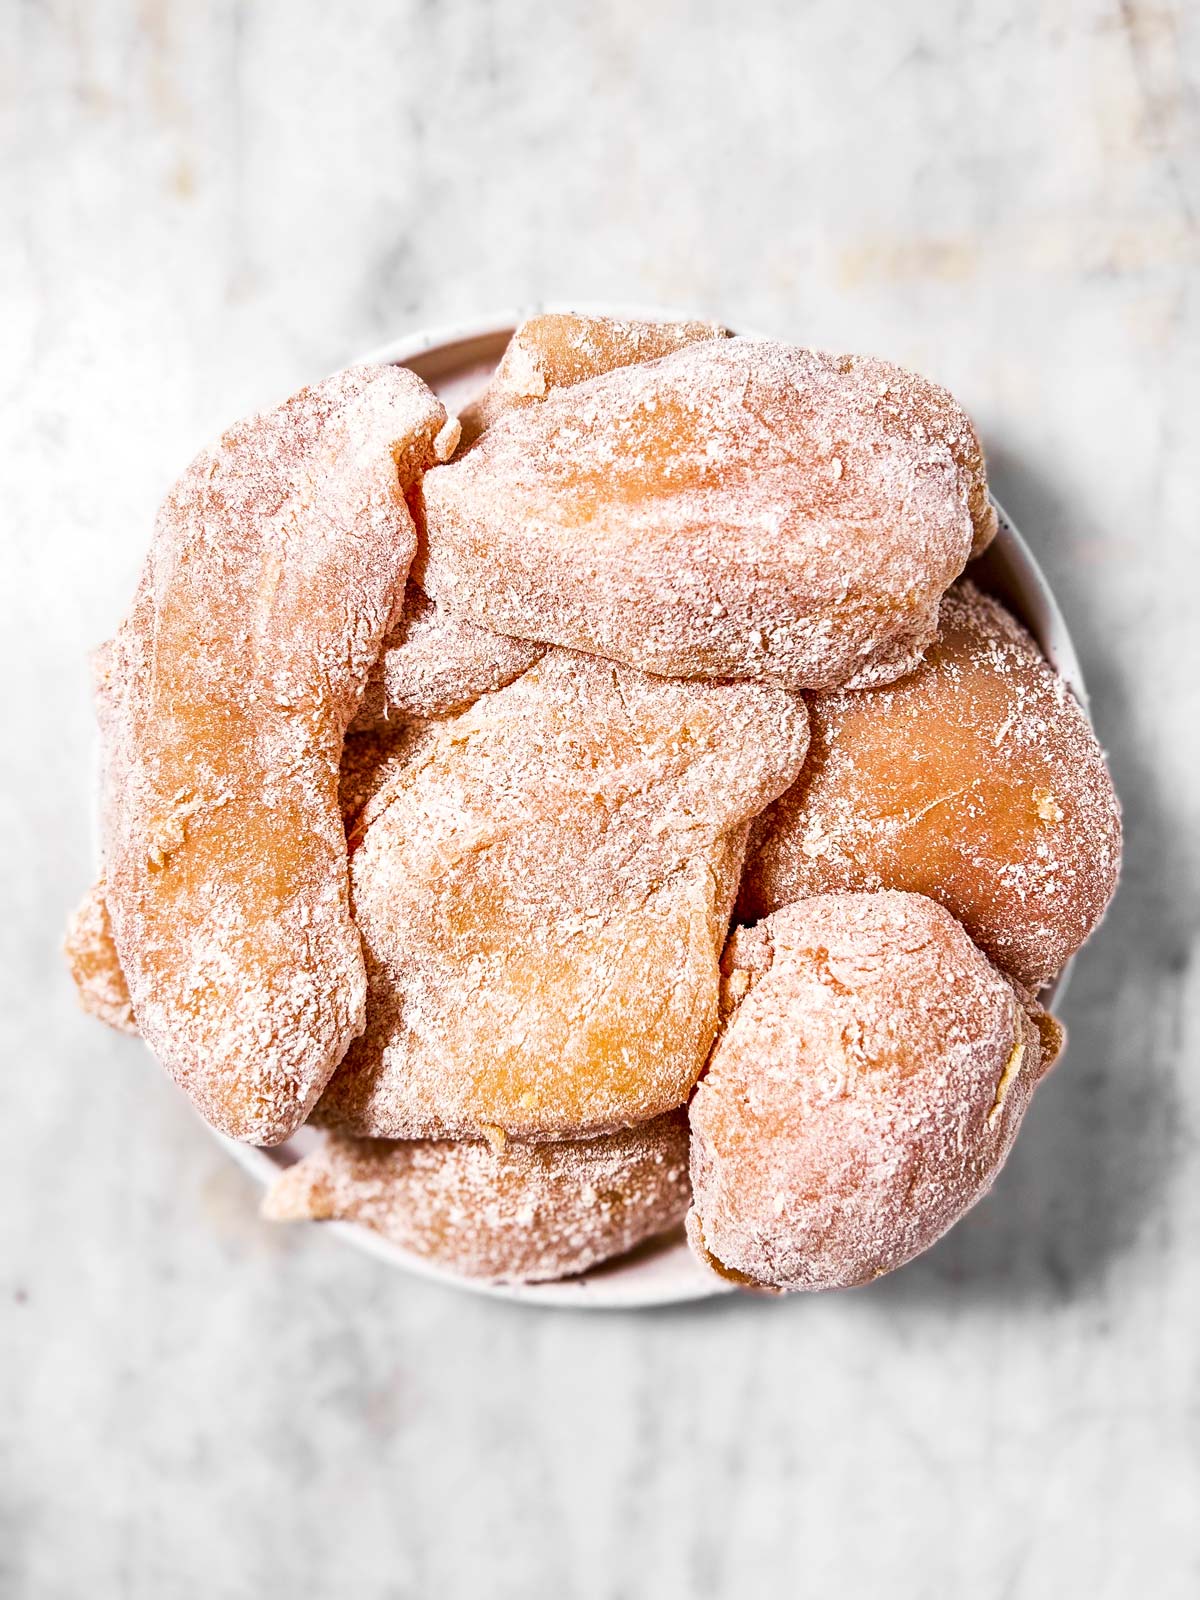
x=206, y=204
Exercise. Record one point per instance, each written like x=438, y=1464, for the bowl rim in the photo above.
x=662, y=1273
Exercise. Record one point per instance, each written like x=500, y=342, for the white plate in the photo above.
x=456, y=362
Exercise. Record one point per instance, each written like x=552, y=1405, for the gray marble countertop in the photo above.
x=204, y=206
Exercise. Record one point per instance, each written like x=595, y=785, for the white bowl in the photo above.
x=456, y=362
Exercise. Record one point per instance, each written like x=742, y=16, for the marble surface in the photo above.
x=205, y=205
